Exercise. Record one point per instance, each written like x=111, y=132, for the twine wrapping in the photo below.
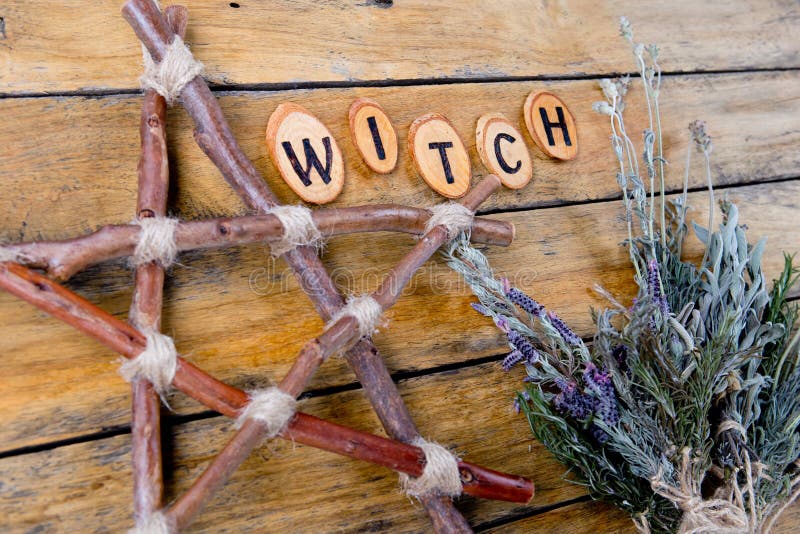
x=298, y=229
x=272, y=407
x=440, y=477
x=453, y=216
x=730, y=424
x=156, y=241
x=170, y=76
x=366, y=311
x=718, y=516
x=8, y=255
x=155, y=523
x=157, y=363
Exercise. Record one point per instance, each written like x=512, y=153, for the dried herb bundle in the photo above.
x=684, y=410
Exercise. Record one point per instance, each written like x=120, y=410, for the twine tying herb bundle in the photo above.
x=684, y=410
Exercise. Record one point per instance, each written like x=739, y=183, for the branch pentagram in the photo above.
x=405, y=453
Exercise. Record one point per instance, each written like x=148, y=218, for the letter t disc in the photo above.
x=439, y=155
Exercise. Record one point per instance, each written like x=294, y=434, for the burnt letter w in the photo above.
x=312, y=161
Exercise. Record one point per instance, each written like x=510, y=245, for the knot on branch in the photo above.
x=298, y=229
x=155, y=523
x=271, y=407
x=177, y=68
x=156, y=241
x=440, y=477
x=453, y=216
x=366, y=311
x=157, y=363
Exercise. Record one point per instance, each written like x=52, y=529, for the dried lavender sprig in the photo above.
x=512, y=359
x=525, y=302
x=562, y=328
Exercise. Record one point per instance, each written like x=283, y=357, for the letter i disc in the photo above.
x=503, y=150
x=439, y=155
x=551, y=125
x=374, y=135
x=305, y=153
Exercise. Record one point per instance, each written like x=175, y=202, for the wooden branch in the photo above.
x=334, y=338
x=126, y=340
x=215, y=138
x=145, y=312
x=63, y=259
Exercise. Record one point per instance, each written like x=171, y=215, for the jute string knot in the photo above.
x=8, y=255
x=730, y=424
x=440, y=477
x=155, y=523
x=366, y=311
x=718, y=516
x=298, y=229
x=157, y=363
x=156, y=241
x=272, y=407
x=452, y=215
x=170, y=76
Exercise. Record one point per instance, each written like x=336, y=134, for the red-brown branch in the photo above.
x=145, y=312
x=215, y=138
x=63, y=259
x=337, y=336
x=126, y=340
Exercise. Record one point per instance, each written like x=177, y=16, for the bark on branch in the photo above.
x=126, y=340
x=63, y=259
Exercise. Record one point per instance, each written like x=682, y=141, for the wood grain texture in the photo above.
x=503, y=150
x=79, y=171
x=305, y=153
x=245, y=322
x=581, y=518
x=82, y=487
x=439, y=155
x=373, y=135
x=51, y=45
x=551, y=125
x=592, y=517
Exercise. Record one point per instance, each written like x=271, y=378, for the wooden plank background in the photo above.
x=69, y=147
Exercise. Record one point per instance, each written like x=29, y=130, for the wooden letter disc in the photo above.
x=439, y=155
x=305, y=153
x=551, y=125
x=374, y=135
x=503, y=151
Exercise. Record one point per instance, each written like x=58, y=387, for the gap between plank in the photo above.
x=406, y=82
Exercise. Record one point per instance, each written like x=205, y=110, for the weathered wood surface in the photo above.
x=247, y=331
x=84, y=487
x=79, y=170
x=51, y=46
x=69, y=166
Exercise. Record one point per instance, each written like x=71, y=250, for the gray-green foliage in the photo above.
x=702, y=365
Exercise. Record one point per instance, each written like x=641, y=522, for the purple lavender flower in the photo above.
x=653, y=280
x=521, y=344
x=512, y=359
x=525, y=302
x=598, y=383
x=480, y=308
x=654, y=286
x=525, y=396
x=572, y=400
x=562, y=328
x=502, y=323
